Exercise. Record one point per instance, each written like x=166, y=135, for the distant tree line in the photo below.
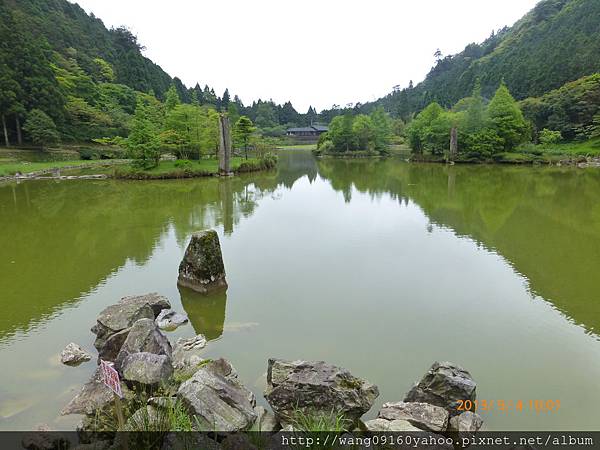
x=349, y=133
x=66, y=73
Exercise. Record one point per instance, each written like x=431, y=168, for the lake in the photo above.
x=378, y=266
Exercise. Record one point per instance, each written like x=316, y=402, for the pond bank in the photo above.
x=189, y=171
x=514, y=159
x=130, y=173
x=56, y=167
x=168, y=387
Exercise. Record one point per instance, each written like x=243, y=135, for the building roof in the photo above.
x=312, y=128
x=301, y=129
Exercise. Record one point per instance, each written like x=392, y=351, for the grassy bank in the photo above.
x=11, y=167
x=297, y=147
x=193, y=169
x=563, y=153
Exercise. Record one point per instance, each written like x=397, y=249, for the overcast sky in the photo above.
x=312, y=52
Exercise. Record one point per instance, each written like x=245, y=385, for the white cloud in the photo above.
x=317, y=52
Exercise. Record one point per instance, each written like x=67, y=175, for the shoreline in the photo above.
x=137, y=175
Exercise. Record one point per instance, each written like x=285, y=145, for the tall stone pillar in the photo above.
x=453, y=143
x=224, y=145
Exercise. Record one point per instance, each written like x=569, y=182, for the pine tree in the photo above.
x=143, y=142
x=506, y=118
x=243, y=130
x=225, y=100
x=475, y=118
x=172, y=98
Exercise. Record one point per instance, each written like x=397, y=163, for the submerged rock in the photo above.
x=444, y=385
x=147, y=368
x=118, y=318
x=202, y=266
x=316, y=387
x=218, y=399
x=144, y=337
x=169, y=320
x=422, y=415
x=74, y=355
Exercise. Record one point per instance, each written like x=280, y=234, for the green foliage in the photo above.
x=41, y=128
x=348, y=133
x=268, y=161
x=482, y=131
x=331, y=421
x=364, y=131
x=506, y=118
x=553, y=44
x=143, y=142
x=549, y=137
x=573, y=110
x=103, y=71
x=242, y=131
x=173, y=99
x=419, y=131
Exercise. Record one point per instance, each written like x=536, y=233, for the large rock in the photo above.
x=316, y=387
x=145, y=418
x=180, y=441
x=170, y=320
x=444, y=385
x=382, y=425
x=157, y=302
x=467, y=422
x=43, y=439
x=422, y=415
x=121, y=316
x=187, y=354
x=265, y=421
x=218, y=399
x=74, y=355
x=112, y=345
x=147, y=368
x=202, y=266
x=94, y=395
x=144, y=337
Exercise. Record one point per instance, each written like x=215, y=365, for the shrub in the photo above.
x=183, y=163
x=88, y=154
x=266, y=162
x=549, y=137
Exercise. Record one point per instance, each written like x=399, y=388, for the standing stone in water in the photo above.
x=202, y=267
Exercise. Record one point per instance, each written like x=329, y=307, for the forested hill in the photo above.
x=69, y=30
x=555, y=43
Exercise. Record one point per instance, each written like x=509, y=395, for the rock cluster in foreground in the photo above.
x=213, y=397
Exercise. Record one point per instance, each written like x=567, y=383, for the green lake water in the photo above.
x=382, y=267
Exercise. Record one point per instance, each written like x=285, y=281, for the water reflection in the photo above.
x=544, y=221
x=206, y=312
x=60, y=240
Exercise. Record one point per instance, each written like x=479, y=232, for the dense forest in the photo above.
x=68, y=70
x=75, y=80
x=555, y=43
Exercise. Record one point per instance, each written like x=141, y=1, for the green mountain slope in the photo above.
x=66, y=26
x=555, y=43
